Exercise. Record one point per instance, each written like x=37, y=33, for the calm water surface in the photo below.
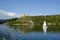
x=37, y=35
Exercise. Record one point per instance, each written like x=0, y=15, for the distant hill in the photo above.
x=38, y=20
x=7, y=20
x=2, y=21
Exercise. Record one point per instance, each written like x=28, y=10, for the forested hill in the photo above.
x=7, y=20
x=38, y=20
x=50, y=19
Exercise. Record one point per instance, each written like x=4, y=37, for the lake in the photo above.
x=53, y=33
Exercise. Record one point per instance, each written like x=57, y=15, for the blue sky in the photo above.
x=32, y=7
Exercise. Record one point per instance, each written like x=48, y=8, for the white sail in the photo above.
x=45, y=27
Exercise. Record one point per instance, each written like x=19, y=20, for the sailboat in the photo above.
x=45, y=27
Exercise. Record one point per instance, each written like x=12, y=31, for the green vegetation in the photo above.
x=53, y=22
x=50, y=19
x=38, y=20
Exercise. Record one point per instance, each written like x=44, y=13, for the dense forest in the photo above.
x=50, y=19
x=38, y=20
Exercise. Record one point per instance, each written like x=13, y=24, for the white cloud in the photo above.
x=7, y=15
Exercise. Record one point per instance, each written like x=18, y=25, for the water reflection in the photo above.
x=35, y=33
x=23, y=28
x=36, y=28
x=54, y=29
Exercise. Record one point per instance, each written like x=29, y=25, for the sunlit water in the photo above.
x=15, y=35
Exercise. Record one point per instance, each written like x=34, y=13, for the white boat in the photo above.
x=45, y=27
